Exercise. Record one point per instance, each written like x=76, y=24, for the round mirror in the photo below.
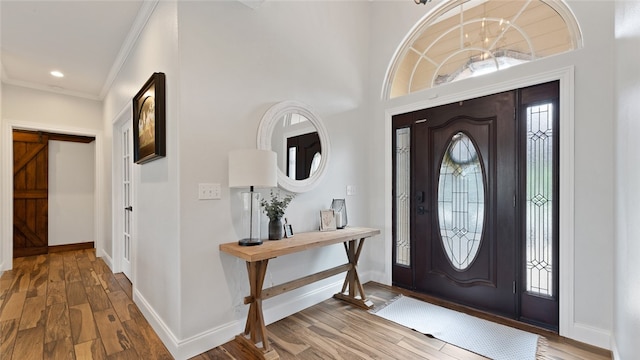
x=297, y=135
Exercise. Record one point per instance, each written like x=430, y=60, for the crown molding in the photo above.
x=137, y=27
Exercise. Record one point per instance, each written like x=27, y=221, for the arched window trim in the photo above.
x=440, y=9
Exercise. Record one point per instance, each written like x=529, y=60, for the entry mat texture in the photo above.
x=480, y=336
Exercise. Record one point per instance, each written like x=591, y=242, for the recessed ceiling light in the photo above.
x=57, y=74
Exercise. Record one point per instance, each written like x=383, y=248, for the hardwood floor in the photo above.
x=334, y=329
x=70, y=306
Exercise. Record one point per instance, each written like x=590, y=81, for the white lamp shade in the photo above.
x=253, y=167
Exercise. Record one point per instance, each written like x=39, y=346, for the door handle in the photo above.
x=422, y=210
x=129, y=208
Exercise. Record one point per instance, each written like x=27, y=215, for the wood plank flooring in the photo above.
x=334, y=329
x=69, y=305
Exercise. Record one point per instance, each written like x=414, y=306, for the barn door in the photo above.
x=30, y=193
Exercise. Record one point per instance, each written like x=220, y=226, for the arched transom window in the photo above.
x=466, y=38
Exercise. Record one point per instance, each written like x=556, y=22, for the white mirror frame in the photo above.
x=268, y=124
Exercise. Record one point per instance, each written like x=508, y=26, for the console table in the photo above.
x=255, y=333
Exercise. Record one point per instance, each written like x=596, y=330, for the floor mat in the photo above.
x=480, y=336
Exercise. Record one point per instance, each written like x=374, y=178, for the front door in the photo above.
x=30, y=193
x=465, y=218
x=475, y=211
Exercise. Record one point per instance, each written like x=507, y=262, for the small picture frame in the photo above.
x=288, y=231
x=327, y=220
x=149, y=142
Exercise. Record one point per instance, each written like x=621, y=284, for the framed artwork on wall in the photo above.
x=149, y=121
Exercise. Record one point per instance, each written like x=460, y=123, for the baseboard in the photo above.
x=106, y=258
x=168, y=338
x=301, y=302
x=209, y=339
x=591, y=335
x=71, y=247
x=614, y=349
x=377, y=276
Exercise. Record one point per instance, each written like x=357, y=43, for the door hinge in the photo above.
x=514, y=287
x=514, y=114
x=514, y=200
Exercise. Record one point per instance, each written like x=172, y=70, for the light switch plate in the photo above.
x=208, y=191
x=351, y=190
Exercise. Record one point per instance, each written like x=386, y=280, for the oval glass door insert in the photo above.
x=461, y=205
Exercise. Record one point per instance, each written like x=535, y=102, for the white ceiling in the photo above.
x=86, y=40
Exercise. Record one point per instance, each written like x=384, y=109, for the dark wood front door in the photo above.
x=475, y=211
x=465, y=222
x=30, y=193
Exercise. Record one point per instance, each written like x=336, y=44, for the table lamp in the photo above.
x=252, y=168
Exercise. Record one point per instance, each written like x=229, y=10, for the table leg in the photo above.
x=355, y=293
x=255, y=328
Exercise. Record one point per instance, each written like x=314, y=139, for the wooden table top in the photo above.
x=299, y=242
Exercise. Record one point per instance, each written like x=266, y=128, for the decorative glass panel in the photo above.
x=539, y=212
x=403, y=189
x=126, y=192
x=470, y=38
x=461, y=201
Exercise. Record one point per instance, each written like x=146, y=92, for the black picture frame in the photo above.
x=149, y=120
x=288, y=230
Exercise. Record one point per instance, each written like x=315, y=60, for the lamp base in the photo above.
x=249, y=242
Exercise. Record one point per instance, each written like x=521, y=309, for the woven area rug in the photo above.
x=482, y=337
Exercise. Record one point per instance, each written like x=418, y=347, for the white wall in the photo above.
x=71, y=192
x=235, y=63
x=593, y=229
x=214, y=102
x=36, y=106
x=40, y=110
x=627, y=212
x=156, y=246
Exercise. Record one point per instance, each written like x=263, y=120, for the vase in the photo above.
x=276, y=230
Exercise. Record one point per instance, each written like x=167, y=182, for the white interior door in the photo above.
x=126, y=190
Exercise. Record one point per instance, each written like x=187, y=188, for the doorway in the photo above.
x=123, y=211
x=41, y=175
x=126, y=184
x=475, y=219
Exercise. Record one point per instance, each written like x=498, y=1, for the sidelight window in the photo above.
x=539, y=201
x=402, y=199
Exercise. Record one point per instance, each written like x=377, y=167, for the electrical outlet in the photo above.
x=208, y=191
